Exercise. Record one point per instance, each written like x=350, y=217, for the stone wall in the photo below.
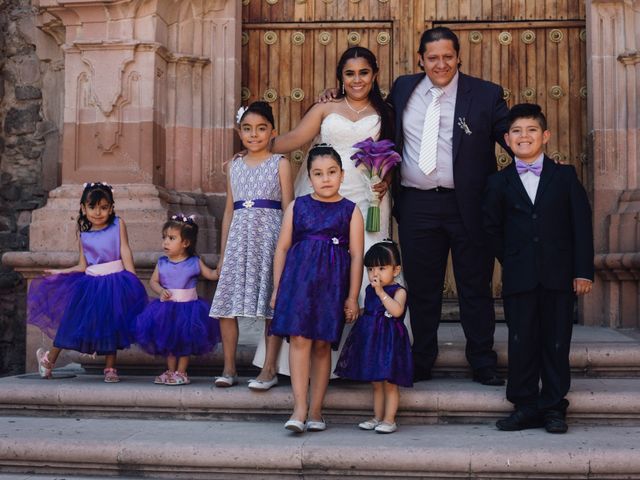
x=22, y=143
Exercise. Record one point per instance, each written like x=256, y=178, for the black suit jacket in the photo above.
x=482, y=107
x=547, y=242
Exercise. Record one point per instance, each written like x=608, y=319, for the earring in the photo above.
x=343, y=89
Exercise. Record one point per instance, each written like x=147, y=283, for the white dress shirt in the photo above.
x=530, y=180
x=412, y=124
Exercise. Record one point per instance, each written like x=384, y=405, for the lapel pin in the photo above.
x=463, y=125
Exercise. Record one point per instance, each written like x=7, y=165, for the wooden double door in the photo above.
x=534, y=49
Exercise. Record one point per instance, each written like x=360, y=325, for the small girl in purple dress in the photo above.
x=178, y=324
x=377, y=349
x=92, y=306
x=317, y=272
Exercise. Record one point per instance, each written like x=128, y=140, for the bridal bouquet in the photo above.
x=377, y=158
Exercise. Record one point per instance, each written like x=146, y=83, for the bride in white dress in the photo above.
x=360, y=112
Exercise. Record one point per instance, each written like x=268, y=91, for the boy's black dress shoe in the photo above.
x=487, y=376
x=520, y=420
x=554, y=422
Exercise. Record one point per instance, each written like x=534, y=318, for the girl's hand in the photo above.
x=272, y=302
x=375, y=283
x=351, y=309
x=219, y=267
x=165, y=295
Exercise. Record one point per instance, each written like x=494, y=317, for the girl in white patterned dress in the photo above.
x=259, y=188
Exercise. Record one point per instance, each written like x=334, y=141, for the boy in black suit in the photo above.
x=538, y=220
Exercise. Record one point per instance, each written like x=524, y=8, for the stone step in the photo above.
x=215, y=450
x=439, y=401
x=595, y=351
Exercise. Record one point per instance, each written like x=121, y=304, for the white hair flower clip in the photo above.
x=241, y=111
x=180, y=217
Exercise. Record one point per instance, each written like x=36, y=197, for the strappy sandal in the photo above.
x=111, y=375
x=179, y=378
x=44, y=365
x=163, y=378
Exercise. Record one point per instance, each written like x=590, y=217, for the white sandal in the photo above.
x=178, y=378
x=163, y=378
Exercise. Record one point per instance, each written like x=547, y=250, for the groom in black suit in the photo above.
x=439, y=197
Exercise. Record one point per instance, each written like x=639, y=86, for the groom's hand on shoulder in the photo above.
x=329, y=95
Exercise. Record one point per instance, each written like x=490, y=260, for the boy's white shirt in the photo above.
x=530, y=180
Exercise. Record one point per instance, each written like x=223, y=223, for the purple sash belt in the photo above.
x=257, y=203
x=337, y=241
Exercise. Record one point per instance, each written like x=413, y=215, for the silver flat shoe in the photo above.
x=385, y=427
x=369, y=424
x=294, y=425
x=262, y=386
x=316, y=425
x=224, y=381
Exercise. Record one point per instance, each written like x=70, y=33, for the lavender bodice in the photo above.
x=179, y=275
x=102, y=246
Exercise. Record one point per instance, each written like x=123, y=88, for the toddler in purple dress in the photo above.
x=377, y=348
x=178, y=324
x=92, y=306
x=317, y=272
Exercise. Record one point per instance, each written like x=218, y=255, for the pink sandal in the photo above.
x=111, y=375
x=179, y=378
x=44, y=365
x=163, y=378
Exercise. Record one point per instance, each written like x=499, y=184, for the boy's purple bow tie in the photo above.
x=535, y=168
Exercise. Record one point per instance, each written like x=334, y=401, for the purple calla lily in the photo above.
x=378, y=158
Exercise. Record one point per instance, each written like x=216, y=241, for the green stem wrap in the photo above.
x=373, y=212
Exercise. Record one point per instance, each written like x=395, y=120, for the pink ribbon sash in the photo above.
x=101, y=269
x=182, y=294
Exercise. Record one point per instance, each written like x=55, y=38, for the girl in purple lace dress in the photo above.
x=259, y=187
x=178, y=324
x=92, y=306
x=377, y=349
x=317, y=274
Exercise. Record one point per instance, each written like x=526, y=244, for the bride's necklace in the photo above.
x=357, y=112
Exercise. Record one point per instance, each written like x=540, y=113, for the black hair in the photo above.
x=188, y=229
x=260, y=108
x=320, y=150
x=438, y=33
x=93, y=194
x=375, y=95
x=527, y=110
x=383, y=253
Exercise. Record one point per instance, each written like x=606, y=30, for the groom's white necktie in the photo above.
x=429, y=144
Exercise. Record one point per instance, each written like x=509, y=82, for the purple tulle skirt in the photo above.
x=177, y=328
x=86, y=313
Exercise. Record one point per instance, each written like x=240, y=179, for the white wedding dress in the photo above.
x=342, y=133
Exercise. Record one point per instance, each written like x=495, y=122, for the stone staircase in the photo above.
x=77, y=427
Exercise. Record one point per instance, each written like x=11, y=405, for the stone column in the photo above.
x=613, y=76
x=150, y=93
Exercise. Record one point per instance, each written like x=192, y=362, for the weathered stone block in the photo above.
x=10, y=192
x=20, y=121
x=27, y=92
